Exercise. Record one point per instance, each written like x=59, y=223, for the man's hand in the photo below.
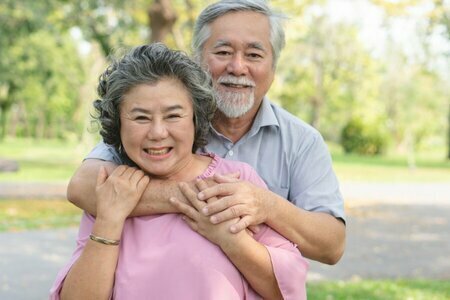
x=235, y=199
x=216, y=233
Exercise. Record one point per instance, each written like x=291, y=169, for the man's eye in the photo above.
x=223, y=52
x=173, y=116
x=254, y=55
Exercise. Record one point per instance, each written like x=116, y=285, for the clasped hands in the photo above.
x=224, y=200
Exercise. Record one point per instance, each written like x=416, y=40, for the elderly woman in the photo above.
x=154, y=108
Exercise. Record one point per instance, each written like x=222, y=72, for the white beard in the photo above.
x=234, y=104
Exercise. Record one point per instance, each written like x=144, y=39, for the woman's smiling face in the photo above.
x=157, y=127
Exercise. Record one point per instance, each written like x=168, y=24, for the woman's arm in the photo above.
x=154, y=200
x=92, y=275
x=250, y=257
x=320, y=235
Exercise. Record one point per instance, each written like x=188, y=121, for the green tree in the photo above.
x=325, y=75
x=438, y=21
x=40, y=68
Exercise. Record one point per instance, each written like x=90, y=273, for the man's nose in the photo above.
x=237, y=65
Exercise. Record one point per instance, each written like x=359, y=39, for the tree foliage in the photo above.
x=326, y=75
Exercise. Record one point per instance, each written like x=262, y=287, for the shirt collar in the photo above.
x=265, y=116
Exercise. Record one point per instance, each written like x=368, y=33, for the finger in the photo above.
x=202, y=185
x=235, y=175
x=184, y=208
x=242, y=224
x=128, y=173
x=191, y=223
x=142, y=184
x=254, y=228
x=102, y=176
x=225, y=178
x=136, y=176
x=232, y=212
x=191, y=196
x=119, y=170
x=218, y=206
x=218, y=190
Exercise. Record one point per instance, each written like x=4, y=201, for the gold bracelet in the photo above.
x=103, y=240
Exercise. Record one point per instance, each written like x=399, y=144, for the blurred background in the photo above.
x=373, y=76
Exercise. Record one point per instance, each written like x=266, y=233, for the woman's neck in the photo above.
x=195, y=166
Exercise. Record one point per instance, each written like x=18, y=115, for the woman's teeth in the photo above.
x=157, y=152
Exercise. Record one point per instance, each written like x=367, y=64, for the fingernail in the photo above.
x=200, y=196
x=205, y=210
x=172, y=200
x=213, y=219
x=233, y=228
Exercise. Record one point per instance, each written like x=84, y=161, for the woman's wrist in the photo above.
x=108, y=229
x=234, y=241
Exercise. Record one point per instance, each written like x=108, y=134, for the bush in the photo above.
x=363, y=138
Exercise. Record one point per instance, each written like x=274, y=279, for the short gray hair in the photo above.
x=149, y=64
x=202, y=30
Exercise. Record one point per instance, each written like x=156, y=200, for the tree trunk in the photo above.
x=2, y=122
x=162, y=17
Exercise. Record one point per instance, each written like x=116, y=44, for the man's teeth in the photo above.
x=157, y=152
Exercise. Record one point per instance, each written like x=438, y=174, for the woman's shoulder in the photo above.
x=226, y=166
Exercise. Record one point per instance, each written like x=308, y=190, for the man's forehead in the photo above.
x=250, y=45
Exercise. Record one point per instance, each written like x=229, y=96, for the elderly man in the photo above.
x=239, y=43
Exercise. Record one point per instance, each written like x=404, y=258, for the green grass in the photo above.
x=46, y=160
x=429, y=167
x=52, y=160
x=17, y=215
x=380, y=290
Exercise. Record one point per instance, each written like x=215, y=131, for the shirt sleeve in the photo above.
x=289, y=266
x=86, y=225
x=105, y=152
x=314, y=185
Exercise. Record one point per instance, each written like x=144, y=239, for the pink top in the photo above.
x=162, y=258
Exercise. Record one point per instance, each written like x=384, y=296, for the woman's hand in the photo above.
x=218, y=234
x=118, y=193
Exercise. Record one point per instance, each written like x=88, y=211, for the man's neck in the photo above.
x=233, y=128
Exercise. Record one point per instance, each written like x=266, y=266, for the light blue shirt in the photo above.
x=290, y=156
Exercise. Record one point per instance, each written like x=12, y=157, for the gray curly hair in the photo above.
x=202, y=31
x=149, y=64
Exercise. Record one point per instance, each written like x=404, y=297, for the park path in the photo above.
x=393, y=231
x=379, y=192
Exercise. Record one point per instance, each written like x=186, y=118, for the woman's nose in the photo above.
x=157, y=130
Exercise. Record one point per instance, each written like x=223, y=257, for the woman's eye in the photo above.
x=141, y=118
x=173, y=116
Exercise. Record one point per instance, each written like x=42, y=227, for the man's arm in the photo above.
x=319, y=236
x=81, y=191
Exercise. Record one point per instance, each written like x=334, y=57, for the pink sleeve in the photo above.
x=86, y=224
x=289, y=266
x=249, y=174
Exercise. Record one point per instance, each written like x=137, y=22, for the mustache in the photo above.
x=230, y=79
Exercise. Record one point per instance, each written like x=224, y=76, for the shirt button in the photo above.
x=230, y=153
